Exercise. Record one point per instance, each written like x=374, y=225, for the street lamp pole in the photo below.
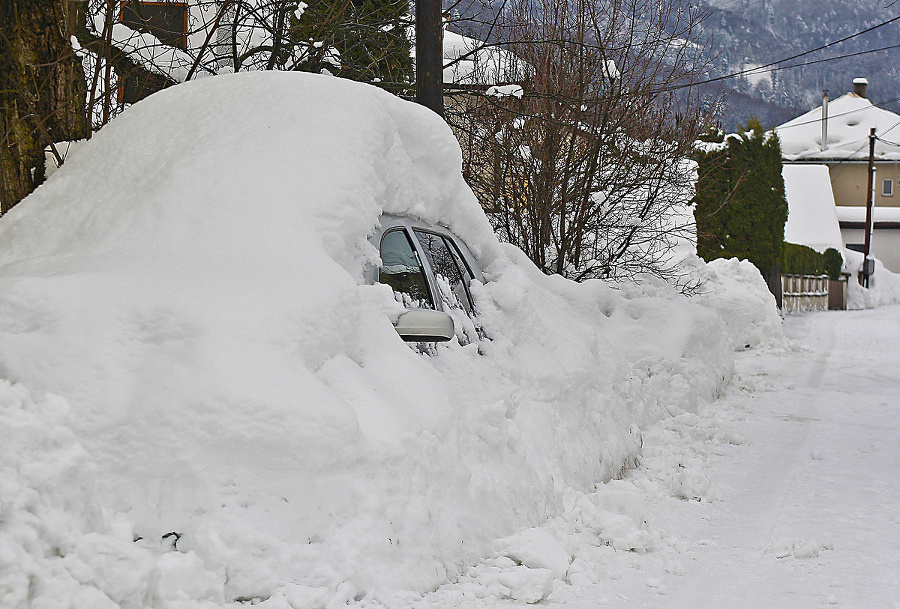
x=868, y=263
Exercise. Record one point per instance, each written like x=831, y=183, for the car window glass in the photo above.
x=451, y=279
x=402, y=270
x=460, y=261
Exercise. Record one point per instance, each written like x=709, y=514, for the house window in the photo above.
x=168, y=22
x=887, y=188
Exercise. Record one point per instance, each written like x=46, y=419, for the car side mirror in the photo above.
x=425, y=326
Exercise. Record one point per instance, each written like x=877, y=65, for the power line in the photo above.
x=827, y=59
x=792, y=57
x=865, y=141
x=888, y=130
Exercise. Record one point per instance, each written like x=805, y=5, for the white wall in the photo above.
x=885, y=244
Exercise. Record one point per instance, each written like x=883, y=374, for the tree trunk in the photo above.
x=773, y=280
x=42, y=90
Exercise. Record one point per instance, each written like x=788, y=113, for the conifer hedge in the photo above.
x=802, y=260
x=740, y=207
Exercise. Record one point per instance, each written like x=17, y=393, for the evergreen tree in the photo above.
x=740, y=204
x=364, y=40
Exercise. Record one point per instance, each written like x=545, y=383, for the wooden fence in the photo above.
x=804, y=293
x=812, y=293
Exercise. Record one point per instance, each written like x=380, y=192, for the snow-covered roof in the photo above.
x=811, y=212
x=485, y=66
x=846, y=213
x=146, y=50
x=849, y=119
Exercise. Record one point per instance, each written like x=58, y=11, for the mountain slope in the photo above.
x=747, y=33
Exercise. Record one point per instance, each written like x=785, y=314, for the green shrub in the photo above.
x=802, y=260
x=834, y=262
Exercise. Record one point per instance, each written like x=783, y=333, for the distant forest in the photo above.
x=747, y=33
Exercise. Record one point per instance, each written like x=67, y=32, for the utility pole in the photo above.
x=429, y=55
x=868, y=262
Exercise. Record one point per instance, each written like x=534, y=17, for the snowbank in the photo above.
x=737, y=292
x=209, y=405
x=884, y=286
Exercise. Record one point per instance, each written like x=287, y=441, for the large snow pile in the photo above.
x=737, y=292
x=204, y=403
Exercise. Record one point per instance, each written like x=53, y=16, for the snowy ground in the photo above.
x=784, y=493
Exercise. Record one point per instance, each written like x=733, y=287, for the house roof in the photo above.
x=486, y=66
x=849, y=119
x=812, y=219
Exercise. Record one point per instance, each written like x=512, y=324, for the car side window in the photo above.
x=451, y=273
x=402, y=270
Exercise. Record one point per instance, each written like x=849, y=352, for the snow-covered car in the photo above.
x=194, y=339
x=430, y=270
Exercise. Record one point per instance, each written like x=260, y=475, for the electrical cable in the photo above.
x=825, y=60
x=865, y=142
x=792, y=57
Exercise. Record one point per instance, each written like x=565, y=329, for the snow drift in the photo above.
x=208, y=404
x=884, y=286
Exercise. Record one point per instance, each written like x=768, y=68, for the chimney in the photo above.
x=824, y=144
x=859, y=86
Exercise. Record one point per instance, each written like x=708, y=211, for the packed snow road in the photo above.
x=809, y=503
x=784, y=493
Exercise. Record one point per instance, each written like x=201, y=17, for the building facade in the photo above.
x=836, y=134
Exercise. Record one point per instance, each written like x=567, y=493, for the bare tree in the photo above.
x=583, y=167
